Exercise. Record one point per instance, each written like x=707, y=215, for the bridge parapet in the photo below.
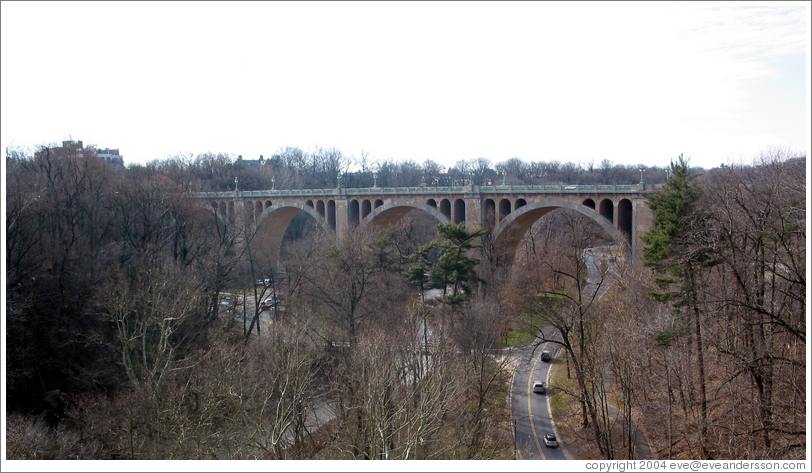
x=442, y=190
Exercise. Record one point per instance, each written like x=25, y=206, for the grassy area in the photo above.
x=559, y=401
x=566, y=410
x=525, y=327
x=562, y=405
x=518, y=338
x=523, y=331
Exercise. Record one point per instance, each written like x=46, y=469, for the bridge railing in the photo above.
x=540, y=189
x=555, y=188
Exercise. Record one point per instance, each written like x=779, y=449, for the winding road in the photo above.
x=532, y=417
x=531, y=412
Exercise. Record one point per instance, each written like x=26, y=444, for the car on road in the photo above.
x=550, y=441
x=546, y=355
x=267, y=304
x=226, y=302
x=538, y=387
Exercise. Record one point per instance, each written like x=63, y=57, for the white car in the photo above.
x=538, y=387
x=550, y=441
x=226, y=302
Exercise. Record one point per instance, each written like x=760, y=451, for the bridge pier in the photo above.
x=473, y=209
x=342, y=217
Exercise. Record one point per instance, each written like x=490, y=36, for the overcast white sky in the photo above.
x=635, y=83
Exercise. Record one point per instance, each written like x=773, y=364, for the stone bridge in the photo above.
x=509, y=211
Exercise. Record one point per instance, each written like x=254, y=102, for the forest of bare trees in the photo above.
x=704, y=345
x=294, y=168
x=121, y=343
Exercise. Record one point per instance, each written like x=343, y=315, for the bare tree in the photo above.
x=156, y=313
x=758, y=214
x=476, y=328
x=339, y=282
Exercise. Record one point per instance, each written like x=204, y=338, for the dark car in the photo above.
x=546, y=355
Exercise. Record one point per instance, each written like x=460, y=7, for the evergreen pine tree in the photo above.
x=454, y=271
x=675, y=249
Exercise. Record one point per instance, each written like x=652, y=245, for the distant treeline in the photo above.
x=293, y=168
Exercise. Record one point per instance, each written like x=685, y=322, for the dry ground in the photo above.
x=577, y=441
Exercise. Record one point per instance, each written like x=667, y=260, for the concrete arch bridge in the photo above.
x=509, y=211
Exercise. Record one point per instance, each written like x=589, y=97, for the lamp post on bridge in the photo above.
x=375, y=176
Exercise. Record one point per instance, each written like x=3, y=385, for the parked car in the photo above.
x=546, y=355
x=550, y=440
x=538, y=387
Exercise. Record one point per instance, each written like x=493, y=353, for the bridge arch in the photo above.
x=390, y=213
x=278, y=217
x=217, y=210
x=504, y=209
x=221, y=212
x=460, y=211
x=257, y=210
x=283, y=212
x=445, y=208
x=607, y=210
x=510, y=231
x=488, y=213
x=354, y=212
x=624, y=216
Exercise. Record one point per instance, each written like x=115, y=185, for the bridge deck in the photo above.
x=538, y=189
